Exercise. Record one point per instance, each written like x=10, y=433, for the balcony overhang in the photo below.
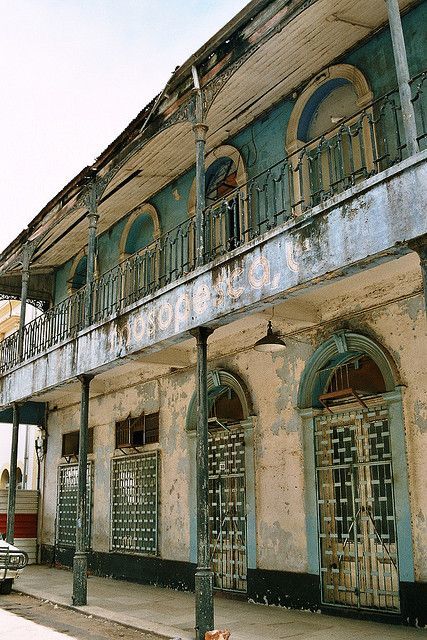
x=39, y=289
x=269, y=51
x=387, y=211
x=29, y=413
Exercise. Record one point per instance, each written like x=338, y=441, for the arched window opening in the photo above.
x=78, y=279
x=331, y=136
x=4, y=480
x=225, y=408
x=141, y=250
x=221, y=179
x=140, y=234
x=223, y=205
x=357, y=378
x=226, y=224
x=19, y=484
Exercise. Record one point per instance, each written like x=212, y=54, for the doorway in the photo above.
x=358, y=552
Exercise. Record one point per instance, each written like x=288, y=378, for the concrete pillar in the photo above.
x=11, y=498
x=80, y=556
x=402, y=73
x=204, y=574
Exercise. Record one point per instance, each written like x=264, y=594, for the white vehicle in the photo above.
x=12, y=562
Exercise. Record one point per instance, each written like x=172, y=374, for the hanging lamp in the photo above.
x=271, y=342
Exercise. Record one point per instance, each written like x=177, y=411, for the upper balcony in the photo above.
x=333, y=168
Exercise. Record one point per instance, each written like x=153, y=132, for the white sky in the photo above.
x=73, y=74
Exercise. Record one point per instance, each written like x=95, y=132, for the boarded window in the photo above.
x=66, y=512
x=70, y=443
x=134, y=503
x=136, y=432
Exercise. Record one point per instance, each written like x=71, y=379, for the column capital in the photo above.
x=85, y=378
x=201, y=333
x=200, y=129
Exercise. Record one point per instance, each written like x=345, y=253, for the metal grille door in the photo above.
x=357, y=528
x=134, y=485
x=227, y=509
x=66, y=512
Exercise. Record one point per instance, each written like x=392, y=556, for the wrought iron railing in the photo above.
x=368, y=142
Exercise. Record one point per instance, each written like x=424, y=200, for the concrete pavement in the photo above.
x=171, y=613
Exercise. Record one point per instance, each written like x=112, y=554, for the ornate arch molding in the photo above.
x=224, y=151
x=337, y=72
x=147, y=208
x=340, y=345
x=216, y=380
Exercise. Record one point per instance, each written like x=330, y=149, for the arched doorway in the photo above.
x=348, y=392
x=231, y=486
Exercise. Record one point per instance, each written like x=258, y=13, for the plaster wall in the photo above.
x=272, y=383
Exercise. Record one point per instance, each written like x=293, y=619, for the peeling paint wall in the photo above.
x=272, y=382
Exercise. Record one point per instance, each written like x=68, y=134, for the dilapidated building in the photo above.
x=271, y=203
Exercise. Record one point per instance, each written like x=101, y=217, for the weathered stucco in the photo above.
x=280, y=460
x=317, y=248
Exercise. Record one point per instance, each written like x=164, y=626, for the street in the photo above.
x=23, y=617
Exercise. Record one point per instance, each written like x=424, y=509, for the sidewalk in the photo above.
x=171, y=613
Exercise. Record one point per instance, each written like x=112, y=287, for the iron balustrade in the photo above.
x=360, y=146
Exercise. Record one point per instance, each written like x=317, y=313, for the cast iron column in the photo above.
x=80, y=556
x=91, y=253
x=26, y=259
x=204, y=574
x=402, y=72
x=200, y=129
x=11, y=497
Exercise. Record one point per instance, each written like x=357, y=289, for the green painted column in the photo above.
x=80, y=556
x=204, y=573
x=200, y=129
x=402, y=73
x=26, y=260
x=92, y=217
x=11, y=497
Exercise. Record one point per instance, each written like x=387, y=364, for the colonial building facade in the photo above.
x=269, y=203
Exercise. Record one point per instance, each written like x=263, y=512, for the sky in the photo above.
x=73, y=74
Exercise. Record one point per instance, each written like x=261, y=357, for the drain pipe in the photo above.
x=200, y=129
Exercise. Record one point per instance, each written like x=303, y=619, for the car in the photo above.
x=12, y=562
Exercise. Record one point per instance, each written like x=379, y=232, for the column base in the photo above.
x=204, y=601
x=80, y=578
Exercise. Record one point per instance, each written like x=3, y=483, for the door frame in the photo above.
x=340, y=344
x=248, y=424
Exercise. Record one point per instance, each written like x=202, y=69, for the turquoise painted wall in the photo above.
x=262, y=142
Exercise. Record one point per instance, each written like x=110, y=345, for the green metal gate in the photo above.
x=227, y=509
x=66, y=509
x=357, y=527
